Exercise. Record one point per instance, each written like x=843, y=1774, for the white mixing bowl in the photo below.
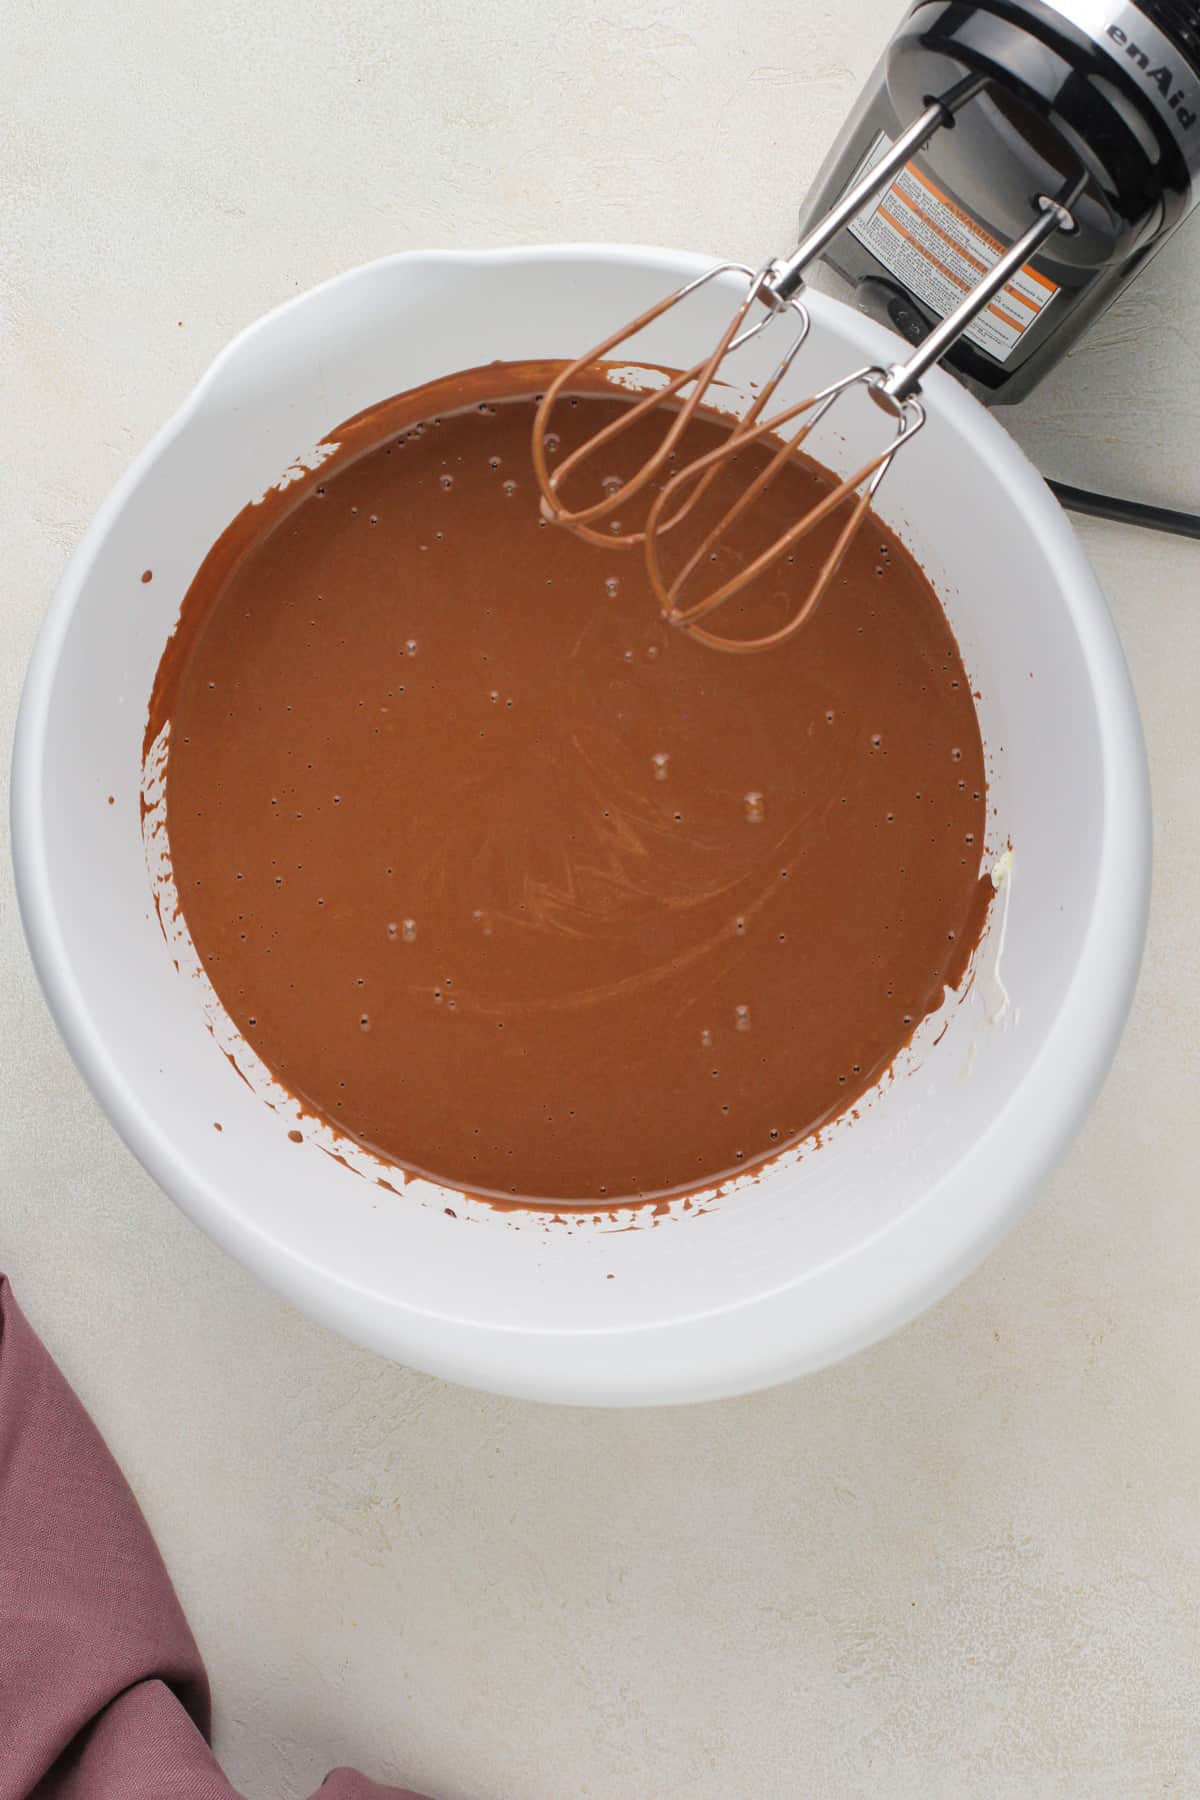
x=832, y=1247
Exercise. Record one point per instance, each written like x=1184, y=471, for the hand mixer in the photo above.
x=1052, y=147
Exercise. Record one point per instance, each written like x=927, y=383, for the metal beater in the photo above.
x=777, y=289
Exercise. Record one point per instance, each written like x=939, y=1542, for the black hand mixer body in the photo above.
x=1091, y=98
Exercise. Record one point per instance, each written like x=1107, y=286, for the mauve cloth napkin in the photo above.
x=102, y=1692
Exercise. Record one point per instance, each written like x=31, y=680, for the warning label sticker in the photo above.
x=938, y=251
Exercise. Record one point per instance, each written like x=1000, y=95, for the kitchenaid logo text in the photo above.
x=1163, y=77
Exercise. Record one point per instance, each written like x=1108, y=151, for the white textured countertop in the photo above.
x=968, y=1562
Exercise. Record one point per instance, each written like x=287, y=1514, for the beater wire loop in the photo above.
x=676, y=593
x=692, y=385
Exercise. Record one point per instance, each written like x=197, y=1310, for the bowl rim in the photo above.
x=810, y=1320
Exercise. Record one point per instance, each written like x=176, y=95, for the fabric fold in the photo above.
x=102, y=1690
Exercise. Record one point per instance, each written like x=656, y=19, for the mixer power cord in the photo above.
x=1125, y=512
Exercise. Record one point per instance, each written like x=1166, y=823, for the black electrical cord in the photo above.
x=1125, y=512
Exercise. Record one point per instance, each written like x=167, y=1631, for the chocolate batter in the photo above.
x=516, y=885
